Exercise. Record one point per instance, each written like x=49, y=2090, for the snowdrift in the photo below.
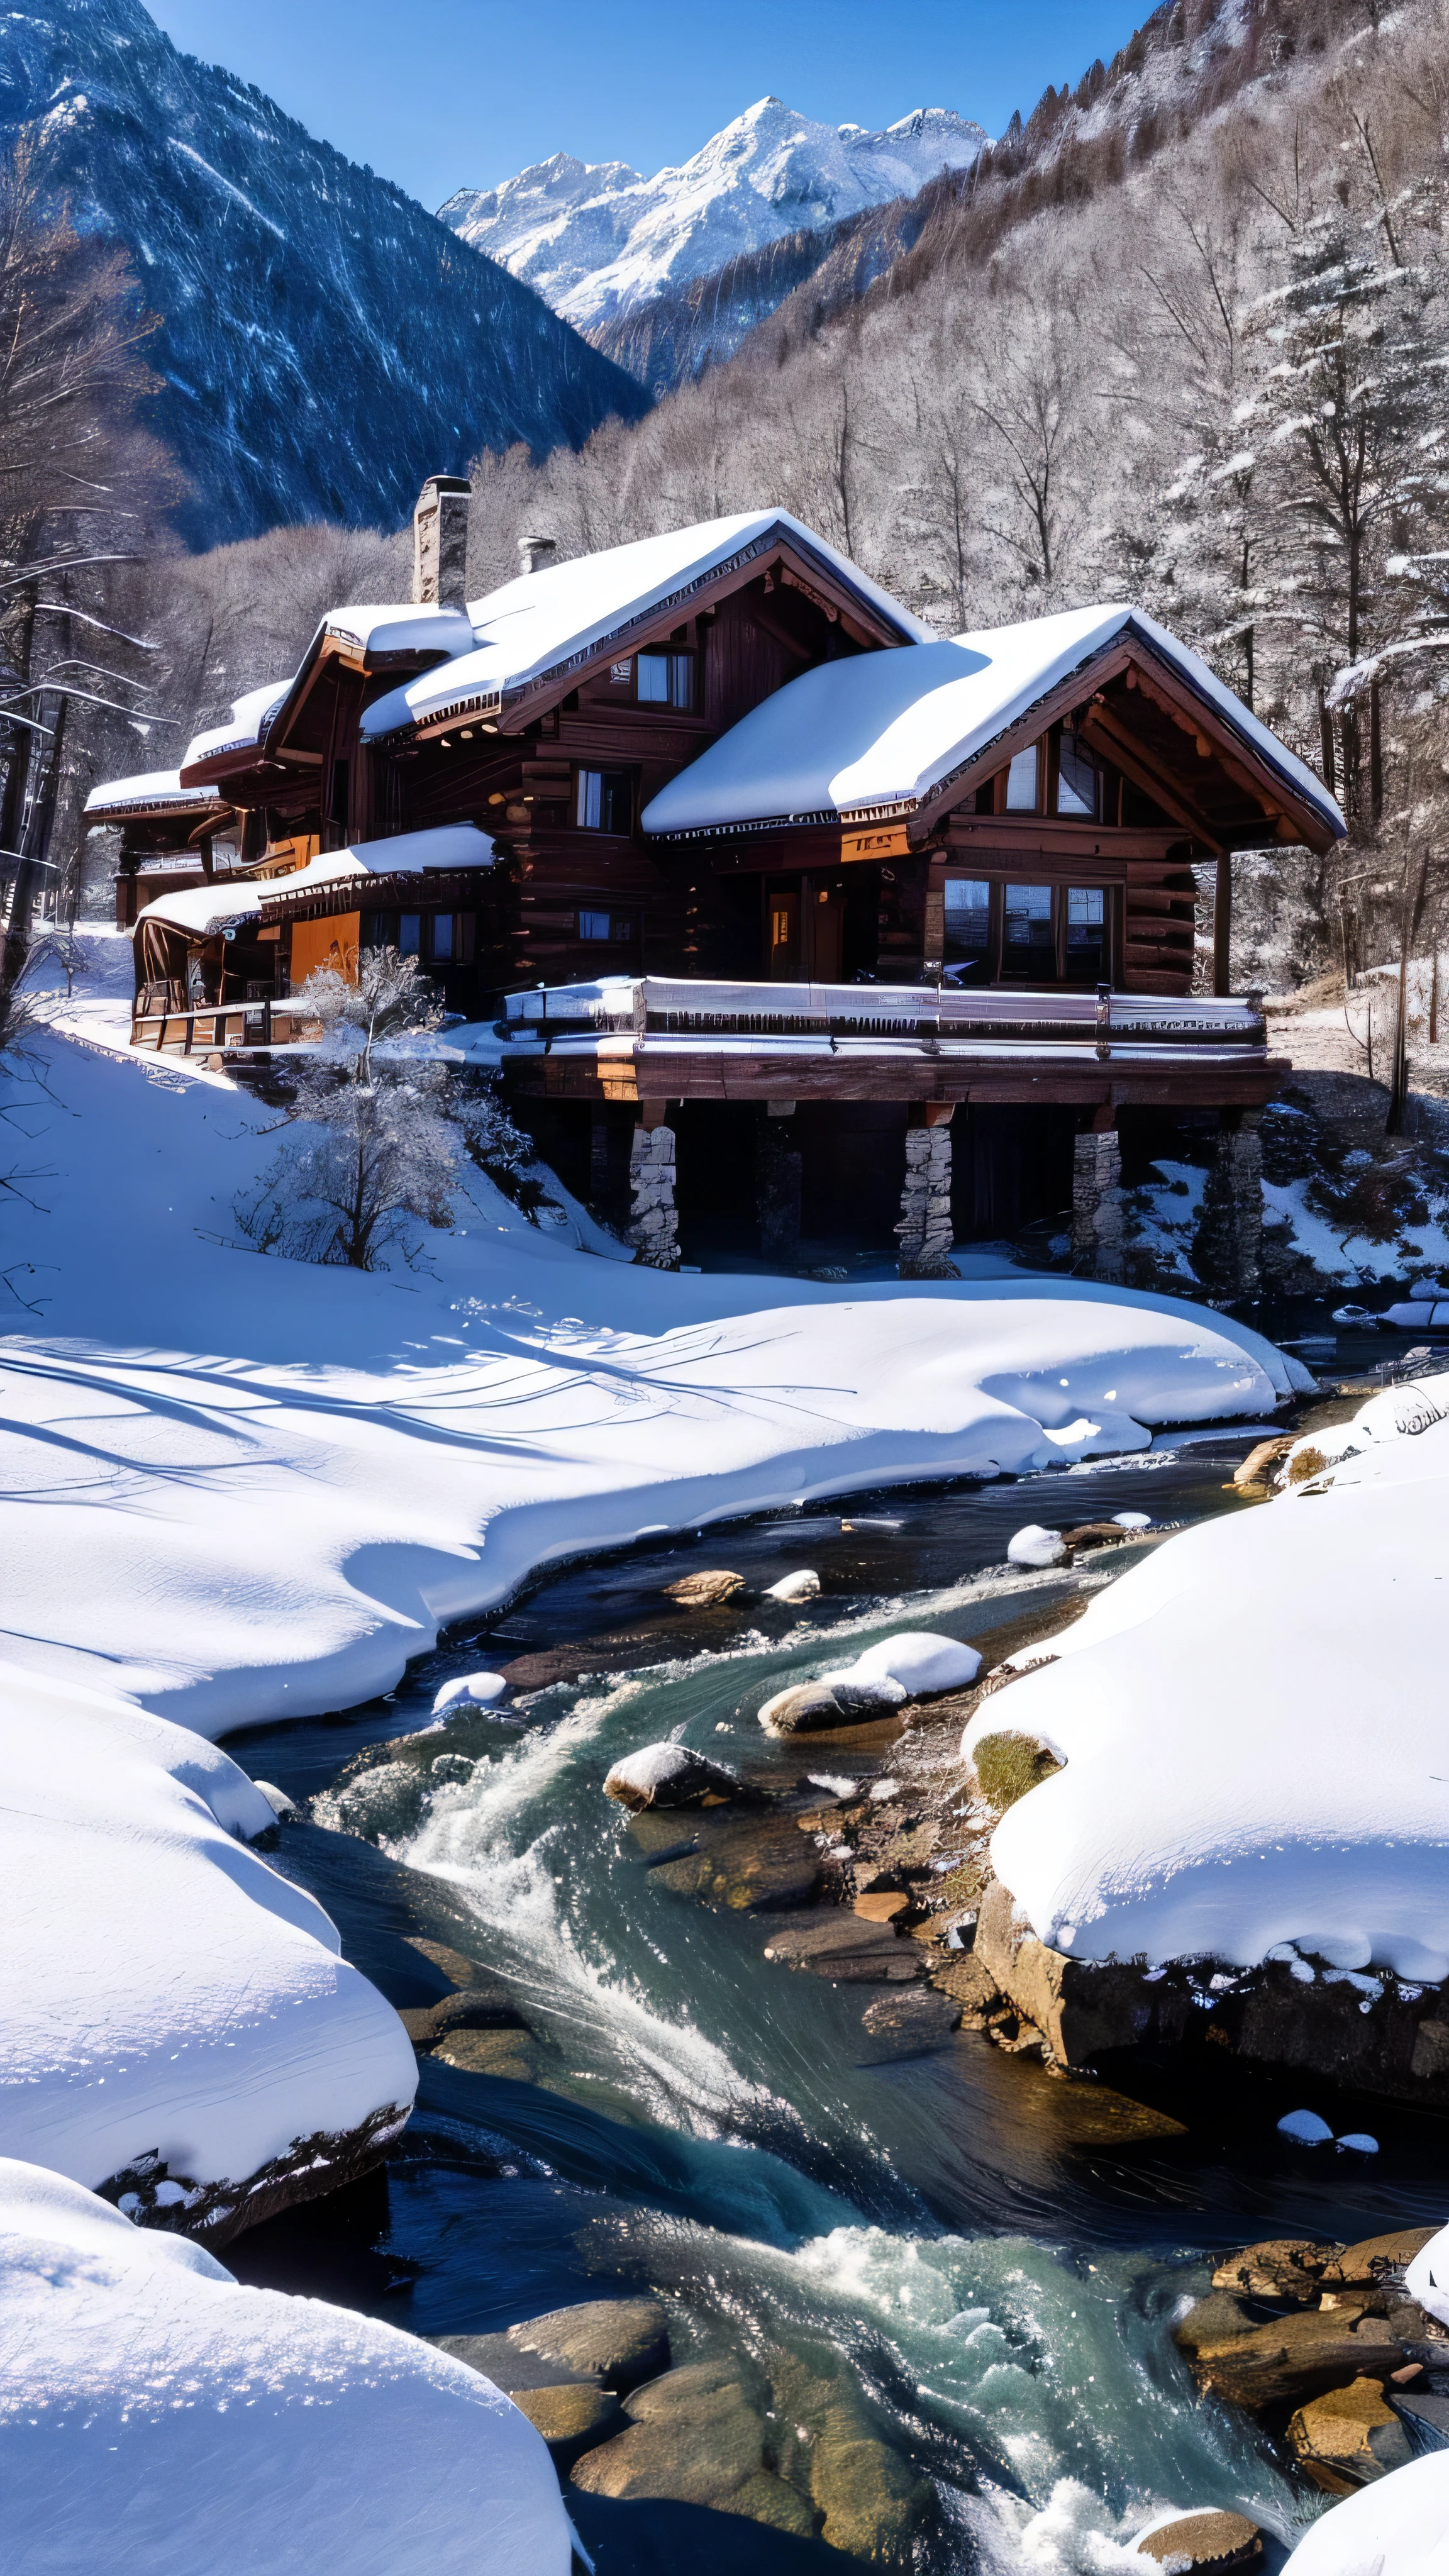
x=157, y=2416
x=280, y=1481
x=1254, y=1728
x=171, y=2010
x=1397, y=2527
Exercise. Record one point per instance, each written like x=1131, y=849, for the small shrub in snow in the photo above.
x=499, y=1147
x=374, y=1155
x=1008, y=1765
x=1305, y=1463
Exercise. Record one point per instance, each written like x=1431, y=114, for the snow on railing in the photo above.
x=656, y=1005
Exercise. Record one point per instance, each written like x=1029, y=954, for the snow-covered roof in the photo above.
x=547, y=622
x=209, y=911
x=884, y=729
x=405, y=627
x=156, y=791
x=243, y=727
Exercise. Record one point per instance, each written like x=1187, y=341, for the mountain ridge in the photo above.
x=325, y=342
x=599, y=239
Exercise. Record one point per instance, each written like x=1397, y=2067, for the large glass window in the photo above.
x=409, y=933
x=605, y=800
x=968, y=931
x=1028, y=941
x=1021, y=783
x=442, y=937
x=667, y=680
x=1086, y=935
x=1078, y=780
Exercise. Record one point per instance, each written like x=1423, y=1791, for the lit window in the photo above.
x=1086, y=935
x=1021, y=783
x=1077, y=790
x=409, y=933
x=968, y=925
x=667, y=680
x=605, y=800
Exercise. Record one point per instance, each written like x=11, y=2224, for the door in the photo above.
x=827, y=924
x=782, y=931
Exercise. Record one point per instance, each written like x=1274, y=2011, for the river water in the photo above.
x=999, y=2263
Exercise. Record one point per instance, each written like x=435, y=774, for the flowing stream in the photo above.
x=999, y=2263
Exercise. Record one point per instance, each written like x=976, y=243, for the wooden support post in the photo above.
x=1229, y=1248
x=779, y=1169
x=1223, y=928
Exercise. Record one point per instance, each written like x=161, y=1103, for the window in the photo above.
x=409, y=933
x=442, y=937
x=1086, y=935
x=606, y=925
x=1021, y=783
x=1078, y=780
x=337, y=810
x=667, y=680
x=968, y=931
x=1028, y=942
x=605, y=800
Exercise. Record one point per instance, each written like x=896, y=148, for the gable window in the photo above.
x=606, y=925
x=968, y=931
x=667, y=680
x=605, y=800
x=1079, y=780
x=1021, y=783
x=1028, y=936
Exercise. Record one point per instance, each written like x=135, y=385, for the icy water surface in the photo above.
x=1000, y=2268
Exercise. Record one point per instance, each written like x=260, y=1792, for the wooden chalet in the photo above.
x=775, y=854
x=169, y=835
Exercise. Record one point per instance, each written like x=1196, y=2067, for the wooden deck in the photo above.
x=656, y=1039
x=219, y=1025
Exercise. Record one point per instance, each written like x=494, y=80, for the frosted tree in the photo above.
x=373, y=1153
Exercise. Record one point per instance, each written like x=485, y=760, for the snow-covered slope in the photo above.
x=280, y=1480
x=596, y=238
x=157, y=2417
x=1253, y=1726
x=325, y=342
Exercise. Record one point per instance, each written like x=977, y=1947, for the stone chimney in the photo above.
x=440, y=542
x=535, y=554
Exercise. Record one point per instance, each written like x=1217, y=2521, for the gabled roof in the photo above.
x=544, y=627
x=156, y=791
x=880, y=734
x=209, y=911
x=243, y=728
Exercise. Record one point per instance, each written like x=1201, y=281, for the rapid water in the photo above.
x=999, y=2267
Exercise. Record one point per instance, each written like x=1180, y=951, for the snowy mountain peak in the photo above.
x=597, y=239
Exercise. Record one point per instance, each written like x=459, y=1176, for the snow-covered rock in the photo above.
x=1305, y=2129
x=668, y=1775
x=1035, y=1546
x=1253, y=1727
x=158, y=2416
x=920, y=1663
x=1399, y=2526
x=471, y=1690
x=171, y=2008
x=802, y=1586
x=1427, y=2277
x=597, y=238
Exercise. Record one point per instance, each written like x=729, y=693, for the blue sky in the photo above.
x=439, y=94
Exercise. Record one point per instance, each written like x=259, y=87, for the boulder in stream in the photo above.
x=471, y=1690
x=1201, y=2544
x=706, y=1590
x=1347, y=2437
x=909, y=2022
x=814, y=1708
x=618, y=2341
x=1036, y=1547
x=669, y=1775
x=803, y=1585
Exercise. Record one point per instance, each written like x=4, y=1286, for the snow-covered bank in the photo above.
x=173, y=2011
x=1399, y=2526
x=1254, y=1730
x=281, y=1480
x=157, y=2416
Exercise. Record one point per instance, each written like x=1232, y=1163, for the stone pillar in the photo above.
x=1229, y=1248
x=1097, y=1200
x=925, y=1227
x=653, y=1226
x=778, y=1168
x=440, y=542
